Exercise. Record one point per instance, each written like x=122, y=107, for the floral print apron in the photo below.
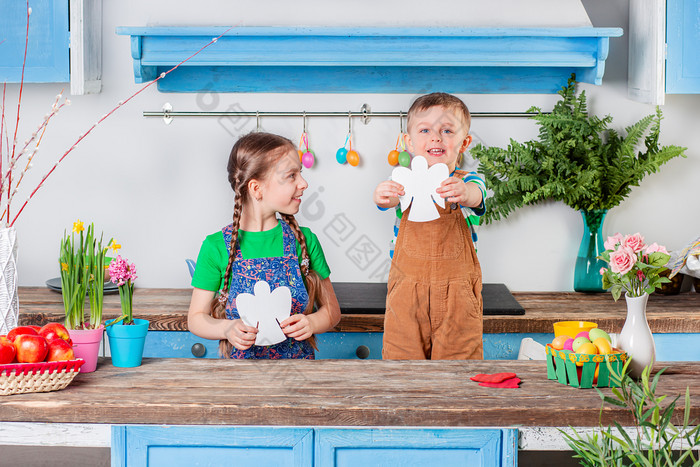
x=276, y=271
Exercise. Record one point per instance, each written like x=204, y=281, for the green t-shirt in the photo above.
x=213, y=255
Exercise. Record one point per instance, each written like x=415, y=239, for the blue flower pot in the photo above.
x=126, y=342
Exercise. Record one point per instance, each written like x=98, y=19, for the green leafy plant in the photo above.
x=577, y=160
x=652, y=441
x=82, y=262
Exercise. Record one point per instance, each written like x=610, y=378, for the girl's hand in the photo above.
x=240, y=335
x=454, y=190
x=297, y=326
x=387, y=193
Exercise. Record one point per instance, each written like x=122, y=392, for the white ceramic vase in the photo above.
x=636, y=338
x=9, y=301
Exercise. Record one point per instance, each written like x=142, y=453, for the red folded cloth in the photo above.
x=494, y=378
x=497, y=380
x=509, y=383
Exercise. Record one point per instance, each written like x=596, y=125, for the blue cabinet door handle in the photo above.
x=198, y=350
x=362, y=352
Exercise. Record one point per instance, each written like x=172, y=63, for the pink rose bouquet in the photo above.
x=633, y=266
x=124, y=274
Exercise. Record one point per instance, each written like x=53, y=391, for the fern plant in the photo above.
x=577, y=159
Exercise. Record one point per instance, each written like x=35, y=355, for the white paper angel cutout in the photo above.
x=420, y=184
x=265, y=310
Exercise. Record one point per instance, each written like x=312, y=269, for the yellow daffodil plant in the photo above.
x=82, y=261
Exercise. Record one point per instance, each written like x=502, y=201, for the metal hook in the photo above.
x=401, y=121
x=349, y=121
x=257, y=122
x=304, y=117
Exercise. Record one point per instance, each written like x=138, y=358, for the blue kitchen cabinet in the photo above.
x=663, y=58
x=48, y=47
x=349, y=447
x=155, y=445
x=682, y=44
x=368, y=345
x=184, y=344
x=186, y=446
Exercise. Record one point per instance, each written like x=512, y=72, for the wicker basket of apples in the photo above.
x=585, y=360
x=37, y=359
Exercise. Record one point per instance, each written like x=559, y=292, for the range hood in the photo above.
x=493, y=57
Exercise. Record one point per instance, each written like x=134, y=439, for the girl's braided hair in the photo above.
x=254, y=157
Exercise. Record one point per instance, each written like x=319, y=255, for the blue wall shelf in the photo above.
x=369, y=60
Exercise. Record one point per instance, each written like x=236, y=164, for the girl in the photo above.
x=265, y=174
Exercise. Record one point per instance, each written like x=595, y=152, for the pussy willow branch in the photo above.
x=104, y=117
x=19, y=105
x=41, y=129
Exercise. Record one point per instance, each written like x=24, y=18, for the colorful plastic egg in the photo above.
x=393, y=157
x=353, y=158
x=308, y=159
x=341, y=155
x=405, y=158
x=301, y=154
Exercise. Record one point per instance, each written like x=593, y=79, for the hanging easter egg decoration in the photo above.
x=301, y=154
x=306, y=155
x=393, y=157
x=348, y=155
x=308, y=159
x=353, y=158
x=341, y=155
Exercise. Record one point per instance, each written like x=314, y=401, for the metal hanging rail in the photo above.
x=365, y=114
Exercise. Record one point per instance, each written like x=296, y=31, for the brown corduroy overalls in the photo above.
x=434, y=308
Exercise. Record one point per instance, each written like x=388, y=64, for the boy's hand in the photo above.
x=454, y=190
x=387, y=193
x=240, y=335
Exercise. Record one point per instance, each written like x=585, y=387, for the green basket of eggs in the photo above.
x=586, y=360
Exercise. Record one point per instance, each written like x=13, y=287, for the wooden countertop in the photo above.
x=327, y=393
x=166, y=309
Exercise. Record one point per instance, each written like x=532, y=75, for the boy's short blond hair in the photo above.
x=441, y=99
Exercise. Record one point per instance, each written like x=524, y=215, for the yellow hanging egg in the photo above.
x=353, y=158
x=393, y=157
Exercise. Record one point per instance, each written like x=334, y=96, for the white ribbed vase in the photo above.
x=9, y=301
x=636, y=338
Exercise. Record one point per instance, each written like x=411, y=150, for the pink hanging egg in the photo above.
x=308, y=159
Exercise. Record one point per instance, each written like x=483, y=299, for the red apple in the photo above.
x=7, y=350
x=31, y=348
x=20, y=330
x=34, y=326
x=52, y=331
x=59, y=349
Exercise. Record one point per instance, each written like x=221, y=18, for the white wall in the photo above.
x=160, y=189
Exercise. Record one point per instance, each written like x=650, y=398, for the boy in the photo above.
x=434, y=306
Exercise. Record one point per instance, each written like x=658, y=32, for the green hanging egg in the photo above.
x=405, y=158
